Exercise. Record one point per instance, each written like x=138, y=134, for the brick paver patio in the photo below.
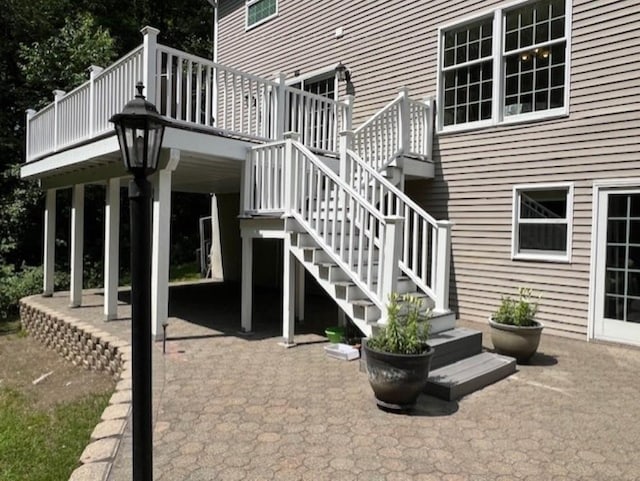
x=232, y=407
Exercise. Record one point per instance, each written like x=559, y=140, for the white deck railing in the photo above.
x=402, y=127
x=424, y=255
x=347, y=227
x=191, y=91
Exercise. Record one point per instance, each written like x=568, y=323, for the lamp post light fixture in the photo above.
x=140, y=129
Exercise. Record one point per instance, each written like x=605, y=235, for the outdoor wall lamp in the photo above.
x=140, y=129
x=343, y=73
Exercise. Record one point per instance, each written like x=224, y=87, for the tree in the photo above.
x=61, y=61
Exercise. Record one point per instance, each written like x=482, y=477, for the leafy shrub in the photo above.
x=16, y=285
x=520, y=312
x=407, y=329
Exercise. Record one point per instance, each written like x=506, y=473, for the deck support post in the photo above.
x=246, y=299
x=77, y=244
x=300, y=273
x=443, y=263
x=111, y=248
x=161, y=245
x=288, y=294
x=49, y=243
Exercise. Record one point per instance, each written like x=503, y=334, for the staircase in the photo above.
x=362, y=238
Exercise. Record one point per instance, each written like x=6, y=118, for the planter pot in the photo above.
x=516, y=341
x=397, y=379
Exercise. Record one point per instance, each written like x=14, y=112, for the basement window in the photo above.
x=542, y=222
x=260, y=11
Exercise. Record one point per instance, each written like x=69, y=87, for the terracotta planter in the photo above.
x=397, y=379
x=516, y=341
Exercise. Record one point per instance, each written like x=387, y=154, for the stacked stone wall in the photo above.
x=79, y=342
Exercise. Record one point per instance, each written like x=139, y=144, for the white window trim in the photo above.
x=247, y=4
x=550, y=257
x=315, y=75
x=497, y=115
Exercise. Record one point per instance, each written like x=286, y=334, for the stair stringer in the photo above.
x=366, y=327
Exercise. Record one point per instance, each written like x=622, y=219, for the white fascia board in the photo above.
x=50, y=164
x=206, y=144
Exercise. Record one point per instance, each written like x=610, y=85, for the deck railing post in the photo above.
x=429, y=125
x=443, y=264
x=288, y=169
x=390, y=257
x=280, y=106
x=245, y=183
x=94, y=71
x=57, y=97
x=404, y=121
x=28, y=146
x=347, y=113
x=346, y=143
x=149, y=63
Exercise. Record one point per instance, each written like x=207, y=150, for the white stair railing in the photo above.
x=352, y=232
x=425, y=250
x=403, y=127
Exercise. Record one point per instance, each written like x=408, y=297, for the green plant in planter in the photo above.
x=520, y=312
x=407, y=328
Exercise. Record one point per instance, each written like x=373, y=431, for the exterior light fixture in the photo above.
x=140, y=129
x=342, y=72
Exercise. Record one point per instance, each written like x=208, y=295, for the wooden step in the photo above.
x=469, y=375
x=350, y=291
x=453, y=345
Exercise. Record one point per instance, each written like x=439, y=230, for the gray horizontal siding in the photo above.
x=476, y=170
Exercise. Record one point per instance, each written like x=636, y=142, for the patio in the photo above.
x=229, y=406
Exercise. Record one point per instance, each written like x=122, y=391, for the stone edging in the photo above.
x=86, y=345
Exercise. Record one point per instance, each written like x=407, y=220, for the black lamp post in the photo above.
x=140, y=129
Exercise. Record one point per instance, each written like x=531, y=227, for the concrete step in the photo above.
x=468, y=375
x=453, y=345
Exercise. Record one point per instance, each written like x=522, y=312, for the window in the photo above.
x=542, y=216
x=259, y=11
x=516, y=71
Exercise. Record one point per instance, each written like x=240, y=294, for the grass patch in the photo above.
x=10, y=327
x=184, y=272
x=44, y=445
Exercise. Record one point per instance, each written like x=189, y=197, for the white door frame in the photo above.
x=599, y=228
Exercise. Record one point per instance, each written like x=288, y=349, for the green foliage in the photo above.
x=184, y=272
x=60, y=61
x=520, y=312
x=407, y=329
x=44, y=446
x=16, y=285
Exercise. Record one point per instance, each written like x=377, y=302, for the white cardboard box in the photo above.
x=342, y=351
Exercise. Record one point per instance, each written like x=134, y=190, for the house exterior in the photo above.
x=536, y=150
x=517, y=122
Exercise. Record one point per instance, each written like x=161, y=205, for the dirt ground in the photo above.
x=24, y=360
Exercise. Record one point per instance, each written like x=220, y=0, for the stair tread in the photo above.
x=470, y=368
x=452, y=335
